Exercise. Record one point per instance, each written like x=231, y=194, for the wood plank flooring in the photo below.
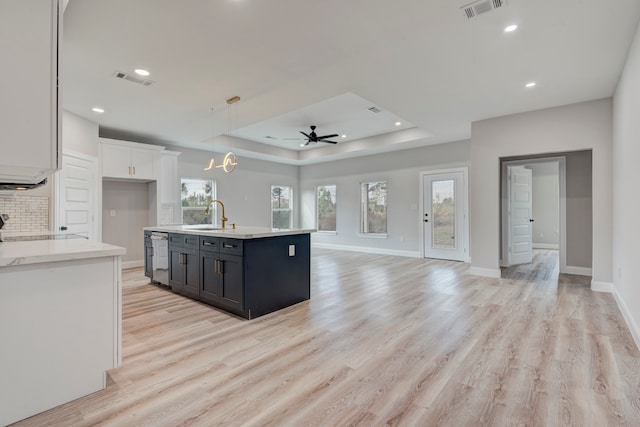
x=383, y=341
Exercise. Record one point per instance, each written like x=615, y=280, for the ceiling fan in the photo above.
x=312, y=137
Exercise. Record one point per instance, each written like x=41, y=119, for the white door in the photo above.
x=443, y=216
x=76, y=195
x=520, y=211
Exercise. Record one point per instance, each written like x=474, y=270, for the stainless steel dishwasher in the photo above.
x=160, y=258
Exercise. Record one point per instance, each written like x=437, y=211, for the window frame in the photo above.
x=290, y=208
x=335, y=202
x=364, y=209
x=214, y=209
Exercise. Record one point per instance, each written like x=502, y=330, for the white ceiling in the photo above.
x=297, y=63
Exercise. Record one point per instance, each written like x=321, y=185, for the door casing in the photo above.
x=504, y=224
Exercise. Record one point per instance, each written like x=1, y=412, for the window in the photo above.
x=281, y=207
x=373, y=217
x=326, y=207
x=196, y=196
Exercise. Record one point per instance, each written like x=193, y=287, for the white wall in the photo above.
x=581, y=126
x=130, y=202
x=79, y=134
x=580, y=207
x=626, y=203
x=246, y=192
x=402, y=171
x=546, y=204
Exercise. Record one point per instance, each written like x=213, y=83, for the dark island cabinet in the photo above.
x=221, y=273
x=248, y=277
x=184, y=269
x=148, y=254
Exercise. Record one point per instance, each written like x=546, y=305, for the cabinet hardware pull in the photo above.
x=207, y=243
x=221, y=264
x=227, y=245
x=129, y=170
x=134, y=170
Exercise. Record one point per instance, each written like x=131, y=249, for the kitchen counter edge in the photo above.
x=42, y=251
x=238, y=233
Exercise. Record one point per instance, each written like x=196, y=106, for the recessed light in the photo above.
x=530, y=84
x=343, y=136
x=398, y=123
x=141, y=72
x=302, y=145
x=97, y=110
x=510, y=28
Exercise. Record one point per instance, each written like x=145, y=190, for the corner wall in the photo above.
x=402, y=171
x=626, y=204
x=582, y=126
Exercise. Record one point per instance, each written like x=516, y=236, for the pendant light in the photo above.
x=230, y=160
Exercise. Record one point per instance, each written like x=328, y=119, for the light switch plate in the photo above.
x=292, y=250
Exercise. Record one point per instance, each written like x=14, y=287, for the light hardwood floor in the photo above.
x=383, y=341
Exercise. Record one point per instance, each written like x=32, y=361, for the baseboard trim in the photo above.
x=602, y=286
x=394, y=252
x=626, y=314
x=485, y=272
x=132, y=264
x=546, y=246
x=580, y=271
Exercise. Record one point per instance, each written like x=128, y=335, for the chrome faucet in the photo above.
x=224, y=219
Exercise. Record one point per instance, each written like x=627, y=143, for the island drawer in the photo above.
x=231, y=246
x=211, y=244
x=184, y=240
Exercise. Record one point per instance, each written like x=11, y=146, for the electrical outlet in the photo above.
x=292, y=250
x=112, y=212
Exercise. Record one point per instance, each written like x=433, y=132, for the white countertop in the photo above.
x=39, y=251
x=238, y=233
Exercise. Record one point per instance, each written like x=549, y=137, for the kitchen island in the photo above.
x=60, y=322
x=247, y=271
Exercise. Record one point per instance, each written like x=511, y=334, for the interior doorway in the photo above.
x=533, y=209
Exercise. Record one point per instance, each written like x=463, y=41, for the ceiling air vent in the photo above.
x=134, y=79
x=375, y=110
x=482, y=6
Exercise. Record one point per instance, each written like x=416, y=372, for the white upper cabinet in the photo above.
x=129, y=160
x=169, y=189
x=29, y=119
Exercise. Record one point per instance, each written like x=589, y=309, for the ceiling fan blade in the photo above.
x=330, y=142
x=328, y=136
x=305, y=134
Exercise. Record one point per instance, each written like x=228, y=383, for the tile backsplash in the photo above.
x=26, y=213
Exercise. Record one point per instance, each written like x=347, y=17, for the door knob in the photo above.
x=426, y=220
x=530, y=219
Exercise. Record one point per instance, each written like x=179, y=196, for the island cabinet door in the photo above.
x=210, y=278
x=232, y=285
x=184, y=272
x=177, y=268
x=148, y=254
x=192, y=271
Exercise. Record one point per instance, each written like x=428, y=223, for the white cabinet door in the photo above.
x=116, y=161
x=168, y=188
x=124, y=160
x=29, y=101
x=142, y=164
